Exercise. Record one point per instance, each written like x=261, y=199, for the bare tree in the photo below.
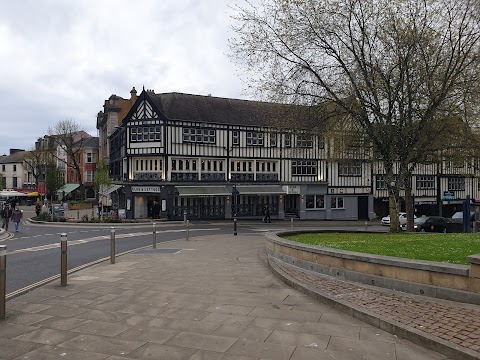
x=397, y=68
x=67, y=146
x=35, y=162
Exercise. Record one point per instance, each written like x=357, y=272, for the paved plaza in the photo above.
x=208, y=298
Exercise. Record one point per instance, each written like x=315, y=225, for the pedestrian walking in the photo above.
x=6, y=214
x=38, y=208
x=16, y=217
x=266, y=214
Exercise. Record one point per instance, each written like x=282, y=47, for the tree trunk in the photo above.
x=409, y=208
x=393, y=210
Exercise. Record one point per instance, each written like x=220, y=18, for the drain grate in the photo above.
x=157, y=251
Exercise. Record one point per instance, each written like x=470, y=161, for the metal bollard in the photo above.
x=154, y=245
x=366, y=225
x=112, y=245
x=188, y=229
x=3, y=279
x=235, y=226
x=78, y=214
x=63, y=260
x=291, y=222
x=184, y=216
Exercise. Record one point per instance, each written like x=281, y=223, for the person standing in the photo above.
x=6, y=214
x=267, y=214
x=17, y=217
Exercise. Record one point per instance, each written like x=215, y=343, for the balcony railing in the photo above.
x=147, y=176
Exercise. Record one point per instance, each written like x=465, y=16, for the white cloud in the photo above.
x=62, y=59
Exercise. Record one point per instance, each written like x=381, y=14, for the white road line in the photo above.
x=96, y=238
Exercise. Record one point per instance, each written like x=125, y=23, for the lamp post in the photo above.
x=234, y=202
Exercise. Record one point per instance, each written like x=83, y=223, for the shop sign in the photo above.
x=292, y=189
x=147, y=189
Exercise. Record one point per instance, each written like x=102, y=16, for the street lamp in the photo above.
x=234, y=202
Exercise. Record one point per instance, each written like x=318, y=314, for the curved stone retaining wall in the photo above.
x=438, y=280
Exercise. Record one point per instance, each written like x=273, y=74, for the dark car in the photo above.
x=431, y=224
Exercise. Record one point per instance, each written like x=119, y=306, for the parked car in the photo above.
x=430, y=224
x=457, y=218
x=402, y=216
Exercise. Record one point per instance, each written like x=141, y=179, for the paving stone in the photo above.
x=200, y=327
x=368, y=349
x=206, y=355
x=103, y=315
x=150, y=334
x=264, y=350
x=26, y=319
x=163, y=352
x=11, y=348
x=229, y=319
x=101, y=328
x=332, y=330
x=299, y=339
x=202, y=341
x=10, y=330
x=46, y=336
x=250, y=333
x=286, y=315
x=55, y=353
x=275, y=324
x=102, y=345
x=62, y=323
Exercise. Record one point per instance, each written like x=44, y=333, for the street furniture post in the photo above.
x=188, y=229
x=3, y=279
x=63, y=259
x=235, y=226
x=154, y=245
x=112, y=245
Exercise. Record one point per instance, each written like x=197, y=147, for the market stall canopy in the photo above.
x=68, y=188
x=111, y=189
x=10, y=193
x=35, y=193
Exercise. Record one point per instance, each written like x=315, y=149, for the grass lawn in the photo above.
x=448, y=248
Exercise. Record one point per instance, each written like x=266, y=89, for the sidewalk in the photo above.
x=208, y=298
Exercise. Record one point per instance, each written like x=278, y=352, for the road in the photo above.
x=33, y=254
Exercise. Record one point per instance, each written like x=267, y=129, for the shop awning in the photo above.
x=203, y=191
x=112, y=188
x=68, y=188
x=261, y=190
x=35, y=193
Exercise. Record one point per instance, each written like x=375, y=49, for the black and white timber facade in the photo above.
x=216, y=158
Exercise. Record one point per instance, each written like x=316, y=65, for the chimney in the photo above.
x=133, y=95
x=13, y=151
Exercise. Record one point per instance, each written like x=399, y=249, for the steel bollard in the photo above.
x=154, y=245
x=112, y=245
x=78, y=214
x=366, y=225
x=63, y=260
x=291, y=222
x=3, y=279
x=235, y=227
x=184, y=216
x=188, y=229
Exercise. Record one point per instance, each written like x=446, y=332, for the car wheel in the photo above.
x=422, y=230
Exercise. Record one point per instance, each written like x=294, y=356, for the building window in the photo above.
x=288, y=140
x=380, y=182
x=199, y=135
x=3, y=168
x=456, y=183
x=145, y=133
x=90, y=157
x=304, y=167
x=89, y=176
x=336, y=202
x=349, y=168
x=272, y=139
x=425, y=182
x=315, y=201
x=304, y=141
x=321, y=143
x=254, y=138
x=236, y=137
x=14, y=168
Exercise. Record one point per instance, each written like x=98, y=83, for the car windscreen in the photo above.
x=421, y=220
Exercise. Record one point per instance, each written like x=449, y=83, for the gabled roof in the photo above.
x=179, y=106
x=210, y=109
x=16, y=157
x=89, y=142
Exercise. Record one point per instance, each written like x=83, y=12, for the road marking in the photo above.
x=96, y=238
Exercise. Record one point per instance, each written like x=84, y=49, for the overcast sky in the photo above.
x=61, y=59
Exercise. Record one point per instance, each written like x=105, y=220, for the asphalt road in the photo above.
x=33, y=254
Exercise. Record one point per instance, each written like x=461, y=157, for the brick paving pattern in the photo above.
x=454, y=323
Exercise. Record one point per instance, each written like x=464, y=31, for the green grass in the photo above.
x=448, y=248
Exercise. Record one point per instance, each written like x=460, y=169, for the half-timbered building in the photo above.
x=217, y=158
x=213, y=157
